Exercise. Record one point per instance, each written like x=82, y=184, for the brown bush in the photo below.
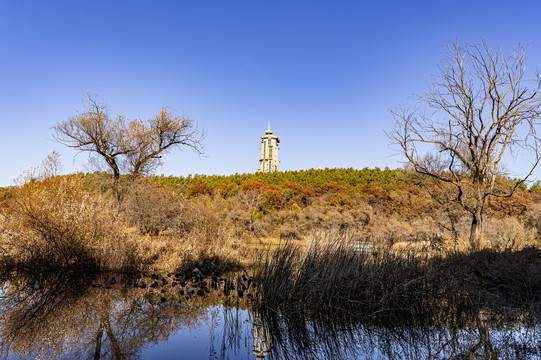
x=509, y=233
x=55, y=223
x=200, y=189
x=150, y=208
x=204, y=238
x=252, y=186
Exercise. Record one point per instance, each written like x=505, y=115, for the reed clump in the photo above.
x=329, y=279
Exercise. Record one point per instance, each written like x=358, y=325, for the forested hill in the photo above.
x=316, y=177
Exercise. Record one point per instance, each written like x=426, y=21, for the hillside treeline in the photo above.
x=315, y=177
x=216, y=222
x=384, y=206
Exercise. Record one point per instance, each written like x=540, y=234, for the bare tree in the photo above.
x=480, y=106
x=51, y=166
x=149, y=141
x=133, y=147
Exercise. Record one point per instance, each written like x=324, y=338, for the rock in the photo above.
x=181, y=292
x=140, y=285
x=112, y=281
x=196, y=271
x=163, y=299
x=173, y=284
x=37, y=286
x=96, y=285
x=200, y=292
x=163, y=291
x=158, y=277
x=53, y=292
x=190, y=290
x=31, y=282
x=155, y=284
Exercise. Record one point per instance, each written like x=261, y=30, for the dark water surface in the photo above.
x=74, y=318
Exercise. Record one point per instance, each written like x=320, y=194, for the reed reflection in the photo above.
x=479, y=338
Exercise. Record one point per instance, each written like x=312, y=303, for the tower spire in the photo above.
x=269, y=152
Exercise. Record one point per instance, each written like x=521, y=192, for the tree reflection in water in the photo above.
x=85, y=322
x=123, y=322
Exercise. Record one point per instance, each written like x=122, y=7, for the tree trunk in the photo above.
x=484, y=340
x=476, y=229
x=116, y=186
x=98, y=341
x=117, y=353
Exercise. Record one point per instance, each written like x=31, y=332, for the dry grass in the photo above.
x=509, y=233
x=168, y=254
x=328, y=279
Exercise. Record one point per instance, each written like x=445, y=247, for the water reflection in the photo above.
x=80, y=321
x=324, y=340
x=69, y=318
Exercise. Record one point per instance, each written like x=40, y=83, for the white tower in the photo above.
x=269, y=152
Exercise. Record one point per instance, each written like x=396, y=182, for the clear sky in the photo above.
x=324, y=73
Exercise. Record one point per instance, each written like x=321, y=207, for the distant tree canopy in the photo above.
x=315, y=177
x=132, y=147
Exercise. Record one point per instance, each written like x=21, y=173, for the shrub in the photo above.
x=55, y=223
x=200, y=189
x=509, y=233
x=150, y=208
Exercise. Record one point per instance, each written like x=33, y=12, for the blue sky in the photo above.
x=324, y=73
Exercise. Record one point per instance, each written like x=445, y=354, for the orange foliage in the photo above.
x=200, y=189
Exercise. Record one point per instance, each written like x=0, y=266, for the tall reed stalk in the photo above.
x=330, y=279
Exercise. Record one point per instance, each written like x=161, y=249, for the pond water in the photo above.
x=106, y=318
